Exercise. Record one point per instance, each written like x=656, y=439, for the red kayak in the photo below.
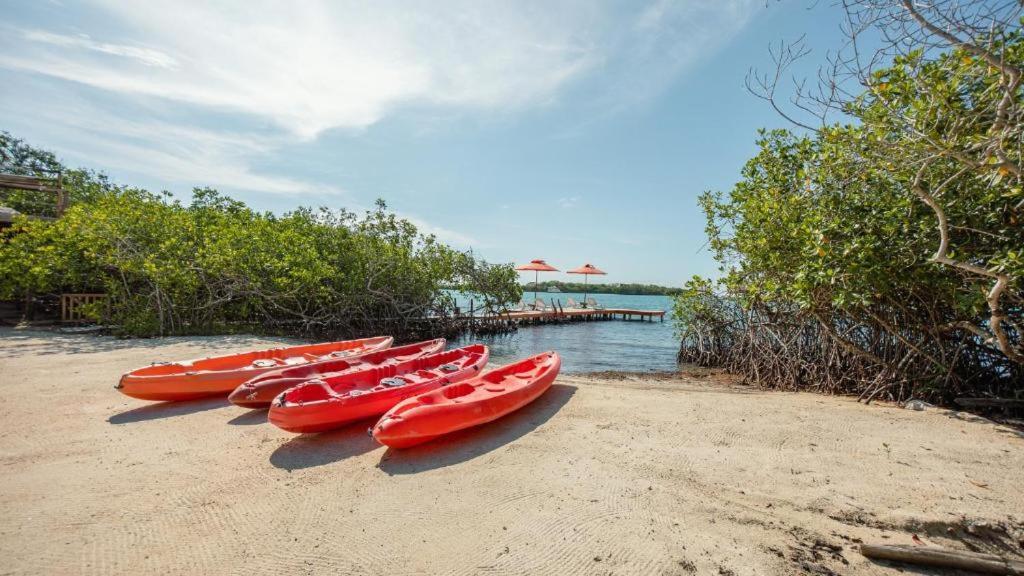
x=219, y=375
x=327, y=403
x=260, y=391
x=471, y=403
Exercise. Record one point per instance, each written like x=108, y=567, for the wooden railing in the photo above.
x=50, y=184
x=71, y=306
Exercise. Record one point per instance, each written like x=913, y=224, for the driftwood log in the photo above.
x=944, y=558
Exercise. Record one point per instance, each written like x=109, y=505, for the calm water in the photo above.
x=632, y=346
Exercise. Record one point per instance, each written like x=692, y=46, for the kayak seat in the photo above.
x=309, y=391
x=264, y=363
x=458, y=391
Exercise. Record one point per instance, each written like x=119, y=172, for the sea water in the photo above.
x=591, y=346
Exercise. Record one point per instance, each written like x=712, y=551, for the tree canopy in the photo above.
x=215, y=264
x=884, y=256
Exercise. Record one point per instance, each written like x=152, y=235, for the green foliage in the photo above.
x=829, y=237
x=496, y=286
x=695, y=305
x=810, y=224
x=215, y=264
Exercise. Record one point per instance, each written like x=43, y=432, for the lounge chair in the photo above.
x=571, y=302
x=521, y=307
x=592, y=304
x=539, y=305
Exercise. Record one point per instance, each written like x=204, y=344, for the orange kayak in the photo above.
x=261, y=390
x=327, y=403
x=470, y=403
x=189, y=379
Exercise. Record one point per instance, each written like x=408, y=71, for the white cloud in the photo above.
x=160, y=149
x=568, y=202
x=646, y=54
x=445, y=235
x=312, y=66
x=210, y=162
x=146, y=56
x=315, y=65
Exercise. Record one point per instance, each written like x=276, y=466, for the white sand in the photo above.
x=642, y=475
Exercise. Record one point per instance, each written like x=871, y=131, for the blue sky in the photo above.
x=570, y=131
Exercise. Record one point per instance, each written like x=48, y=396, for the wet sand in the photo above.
x=605, y=474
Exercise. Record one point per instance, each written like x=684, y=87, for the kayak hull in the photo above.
x=322, y=405
x=260, y=391
x=219, y=375
x=488, y=397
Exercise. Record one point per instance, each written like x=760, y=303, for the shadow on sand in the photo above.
x=249, y=418
x=473, y=442
x=309, y=450
x=1000, y=427
x=167, y=410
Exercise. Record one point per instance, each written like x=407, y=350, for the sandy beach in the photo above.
x=605, y=474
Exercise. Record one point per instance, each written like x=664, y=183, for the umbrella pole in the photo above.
x=535, y=274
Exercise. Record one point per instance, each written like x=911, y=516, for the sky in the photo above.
x=572, y=131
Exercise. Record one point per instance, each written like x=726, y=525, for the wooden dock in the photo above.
x=585, y=314
x=510, y=320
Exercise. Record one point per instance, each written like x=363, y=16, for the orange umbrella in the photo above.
x=537, y=266
x=586, y=270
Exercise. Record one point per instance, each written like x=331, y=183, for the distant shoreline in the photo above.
x=619, y=289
